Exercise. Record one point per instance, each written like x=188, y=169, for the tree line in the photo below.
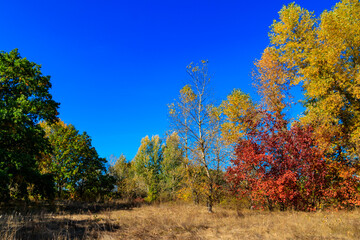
x=40, y=156
x=239, y=150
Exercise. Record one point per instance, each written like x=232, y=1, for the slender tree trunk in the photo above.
x=210, y=199
x=196, y=197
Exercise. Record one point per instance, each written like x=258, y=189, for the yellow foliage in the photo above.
x=322, y=55
x=187, y=94
x=236, y=109
x=272, y=81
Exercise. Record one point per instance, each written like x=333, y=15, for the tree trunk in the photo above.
x=210, y=199
x=209, y=205
x=196, y=197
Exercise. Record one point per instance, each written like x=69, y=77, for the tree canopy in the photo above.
x=24, y=101
x=321, y=55
x=75, y=164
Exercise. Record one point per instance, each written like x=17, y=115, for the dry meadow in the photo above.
x=179, y=221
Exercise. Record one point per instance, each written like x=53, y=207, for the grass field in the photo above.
x=179, y=221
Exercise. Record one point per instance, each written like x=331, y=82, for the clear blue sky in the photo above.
x=115, y=65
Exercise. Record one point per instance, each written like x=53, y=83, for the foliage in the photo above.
x=121, y=171
x=283, y=167
x=74, y=163
x=24, y=101
x=312, y=164
x=322, y=55
x=198, y=123
x=126, y=181
x=147, y=165
x=172, y=166
x=236, y=108
x=194, y=186
x=272, y=82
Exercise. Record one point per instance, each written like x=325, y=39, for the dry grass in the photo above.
x=174, y=221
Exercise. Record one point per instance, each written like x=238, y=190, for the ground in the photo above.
x=179, y=221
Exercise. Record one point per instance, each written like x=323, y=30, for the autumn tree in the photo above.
x=181, y=122
x=237, y=110
x=121, y=170
x=147, y=166
x=281, y=167
x=172, y=166
x=191, y=117
x=272, y=81
x=322, y=56
x=75, y=164
x=24, y=101
x=220, y=150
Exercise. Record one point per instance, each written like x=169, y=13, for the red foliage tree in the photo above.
x=277, y=166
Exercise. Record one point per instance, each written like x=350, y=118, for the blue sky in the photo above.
x=115, y=65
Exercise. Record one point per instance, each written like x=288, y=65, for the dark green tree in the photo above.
x=24, y=101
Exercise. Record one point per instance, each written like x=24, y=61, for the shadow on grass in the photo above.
x=51, y=221
x=64, y=228
x=69, y=207
x=79, y=207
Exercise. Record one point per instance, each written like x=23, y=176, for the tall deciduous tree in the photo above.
x=272, y=81
x=121, y=170
x=24, y=101
x=172, y=167
x=191, y=117
x=237, y=109
x=74, y=162
x=147, y=165
x=127, y=183
x=322, y=55
x=277, y=166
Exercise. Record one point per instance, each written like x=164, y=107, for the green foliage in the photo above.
x=147, y=166
x=155, y=173
x=172, y=167
x=125, y=181
x=74, y=163
x=121, y=171
x=96, y=187
x=24, y=101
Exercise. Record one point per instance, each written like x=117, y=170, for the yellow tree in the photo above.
x=323, y=56
x=181, y=121
x=237, y=110
x=191, y=116
x=124, y=176
x=272, y=81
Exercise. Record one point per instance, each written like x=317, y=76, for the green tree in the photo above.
x=24, y=101
x=172, y=167
x=121, y=171
x=75, y=164
x=147, y=165
x=124, y=174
